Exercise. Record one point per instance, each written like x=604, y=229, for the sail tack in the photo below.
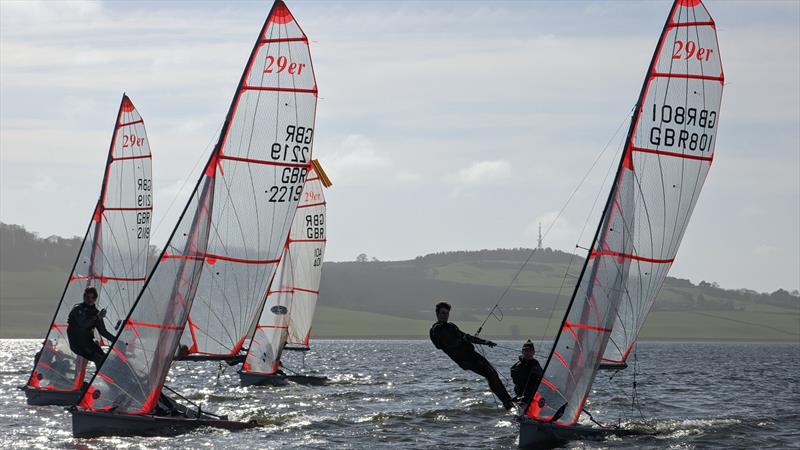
x=227, y=244
x=291, y=300
x=113, y=256
x=668, y=153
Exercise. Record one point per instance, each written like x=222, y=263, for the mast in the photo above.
x=573, y=360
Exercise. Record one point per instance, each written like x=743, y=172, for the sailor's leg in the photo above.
x=484, y=368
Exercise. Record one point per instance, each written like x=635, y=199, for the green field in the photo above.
x=662, y=325
x=28, y=300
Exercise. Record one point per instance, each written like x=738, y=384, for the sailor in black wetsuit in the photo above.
x=83, y=320
x=526, y=374
x=459, y=347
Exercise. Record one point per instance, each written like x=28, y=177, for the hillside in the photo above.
x=395, y=299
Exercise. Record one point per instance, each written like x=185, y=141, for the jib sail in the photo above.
x=292, y=297
x=113, y=256
x=669, y=149
x=227, y=243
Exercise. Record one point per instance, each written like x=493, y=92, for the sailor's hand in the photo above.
x=491, y=344
x=102, y=313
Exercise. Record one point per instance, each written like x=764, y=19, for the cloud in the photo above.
x=482, y=172
x=355, y=160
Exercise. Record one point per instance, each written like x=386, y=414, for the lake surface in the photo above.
x=406, y=394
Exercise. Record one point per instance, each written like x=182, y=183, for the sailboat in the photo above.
x=292, y=298
x=667, y=154
x=112, y=258
x=226, y=244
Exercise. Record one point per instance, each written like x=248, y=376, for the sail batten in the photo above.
x=668, y=151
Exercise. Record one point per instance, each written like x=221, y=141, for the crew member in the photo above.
x=459, y=347
x=83, y=320
x=526, y=373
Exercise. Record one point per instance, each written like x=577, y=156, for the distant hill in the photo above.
x=395, y=298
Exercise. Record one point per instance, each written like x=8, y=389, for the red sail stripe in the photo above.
x=128, y=209
x=263, y=162
x=676, y=155
x=311, y=204
x=102, y=278
x=281, y=292
x=123, y=158
x=561, y=359
x=547, y=383
x=269, y=41
x=105, y=377
x=584, y=326
x=153, y=325
x=131, y=123
x=119, y=353
x=630, y=256
x=687, y=76
x=279, y=89
x=292, y=241
x=306, y=290
x=223, y=258
x=690, y=24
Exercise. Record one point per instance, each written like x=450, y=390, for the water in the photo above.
x=406, y=394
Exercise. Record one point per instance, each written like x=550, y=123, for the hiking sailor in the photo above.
x=459, y=347
x=526, y=374
x=83, y=320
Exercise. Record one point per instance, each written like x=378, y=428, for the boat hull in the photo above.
x=534, y=434
x=87, y=424
x=42, y=397
x=258, y=379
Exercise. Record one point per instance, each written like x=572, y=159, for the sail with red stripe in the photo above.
x=226, y=246
x=251, y=229
x=671, y=149
x=292, y=297
x=113, y=255
x=668, y=152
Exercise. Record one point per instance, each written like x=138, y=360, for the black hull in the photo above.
x=308, y=380
x=41, y=397
x=257, y=379
x=95, y=424
x=534, y=434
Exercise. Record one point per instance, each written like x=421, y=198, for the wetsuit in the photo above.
x=526, y=374
x=458, y=346
x=82, y=321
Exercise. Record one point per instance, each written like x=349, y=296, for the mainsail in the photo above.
x=227, y=243
x=113, y=256
x=292, y=297
x=668, y=152
x=227, y=304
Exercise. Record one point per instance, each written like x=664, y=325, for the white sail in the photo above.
x=292, y=298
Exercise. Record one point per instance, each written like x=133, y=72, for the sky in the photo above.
x=443, y=125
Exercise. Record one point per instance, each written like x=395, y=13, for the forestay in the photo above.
x=292, y=298
x=225, y=248
x=113, y=255
x=668, y=152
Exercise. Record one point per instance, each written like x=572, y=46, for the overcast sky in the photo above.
x=443, y=125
